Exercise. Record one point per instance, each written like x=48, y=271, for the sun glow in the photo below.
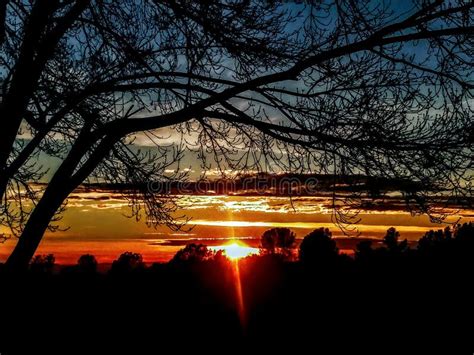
x=236, y=250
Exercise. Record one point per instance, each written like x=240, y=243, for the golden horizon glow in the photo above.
x=98, y=227
x=236, y=250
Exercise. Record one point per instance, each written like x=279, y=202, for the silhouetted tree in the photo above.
x=318, y=247
x=391, y=241
x=328, y=86
x=194, y=253
x=42, y=263
x=87, y=263
x=433, y=241
x=278, y=241
x=464, y=234
x=128, y=262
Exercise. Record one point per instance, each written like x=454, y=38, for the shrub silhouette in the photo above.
x=278, y=241
x=43, y=263
x=128, y=262
x=318, y=247
x=87, y=263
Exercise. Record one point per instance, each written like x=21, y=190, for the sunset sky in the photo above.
x=94, y=221
x=98, y=224
x=243, y=173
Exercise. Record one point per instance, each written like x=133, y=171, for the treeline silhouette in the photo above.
x=306, y=294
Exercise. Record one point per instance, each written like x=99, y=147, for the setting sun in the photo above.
x=236, y=250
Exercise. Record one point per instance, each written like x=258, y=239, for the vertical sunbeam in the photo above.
x=238, y=282
x=239, y=294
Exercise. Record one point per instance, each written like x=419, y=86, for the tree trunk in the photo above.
x=57, y=191
x=64, y=181
x=3, y=187
x=36, y=226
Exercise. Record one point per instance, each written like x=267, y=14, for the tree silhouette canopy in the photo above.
x=87, y=263
x=338, y=87
x=318, y=247
x=194, y=253
x=281, y=241
x=127, y=262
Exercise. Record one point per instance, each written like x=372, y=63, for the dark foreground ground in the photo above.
x=390, y=300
